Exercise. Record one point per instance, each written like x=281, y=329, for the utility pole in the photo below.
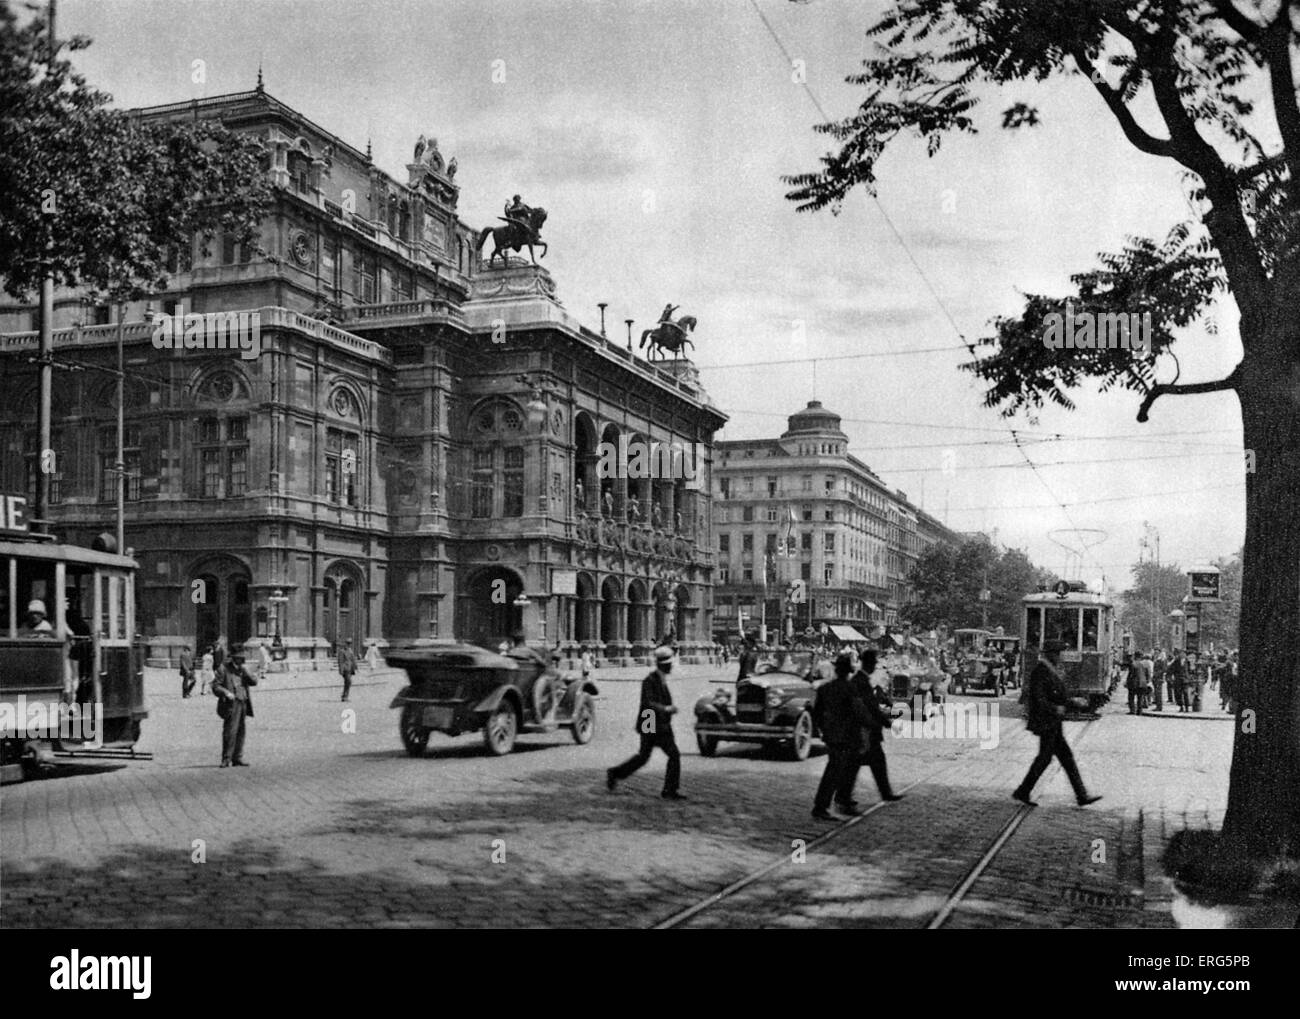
x=120, y=465
x=45, y=358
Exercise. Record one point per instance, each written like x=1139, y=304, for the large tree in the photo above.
x=946, y=584
x=1208, y=86
x=1144, y=608
x=98, y=198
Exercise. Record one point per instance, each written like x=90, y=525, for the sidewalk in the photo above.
x=160, y=682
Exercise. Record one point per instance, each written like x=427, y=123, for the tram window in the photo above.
x=112, y=609
x=1061, y=624
x=1090, y=630
x=1033, y=627
x=35, y=583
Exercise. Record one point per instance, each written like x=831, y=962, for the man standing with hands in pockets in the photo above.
x=654, y=724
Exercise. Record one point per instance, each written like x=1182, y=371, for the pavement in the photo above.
x=334, y=825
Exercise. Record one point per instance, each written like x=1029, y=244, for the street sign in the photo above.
x=564, y=582
x=1062, y=588
x=1203, y=585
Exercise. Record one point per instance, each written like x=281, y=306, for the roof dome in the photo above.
x=813, y=419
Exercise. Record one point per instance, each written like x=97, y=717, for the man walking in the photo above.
x=841, y=716
x=187, y=671
x=654, y=724
x=1046, y=707
x=232, y=686
x=1139, y=678
x=1178, y=677
x=347, y=667
x=1158, y=667
x=873, y=735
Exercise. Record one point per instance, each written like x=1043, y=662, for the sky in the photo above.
x=656, y=134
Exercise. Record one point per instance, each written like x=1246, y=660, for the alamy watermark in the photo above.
x=213, y=330
x=44, y=720
x=1089, y=331
x=660, y=460
x=977, y=721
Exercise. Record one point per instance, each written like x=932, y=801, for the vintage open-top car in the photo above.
x=462, y=688
x=915, y=681
x=774, y=706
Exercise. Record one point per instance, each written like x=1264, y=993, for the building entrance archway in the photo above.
x=490, y=614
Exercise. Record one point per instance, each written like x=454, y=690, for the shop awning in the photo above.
x=916, y=642
x=896, y=639
x=846, y=634
x=872, y=606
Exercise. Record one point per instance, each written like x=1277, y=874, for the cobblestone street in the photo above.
x=334, y=828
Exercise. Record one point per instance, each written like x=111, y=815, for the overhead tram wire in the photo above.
x=943, y=308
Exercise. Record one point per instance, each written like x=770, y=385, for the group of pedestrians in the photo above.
x=852, y=713
x=210, y=663
x=852, y=721
x=1181, y=678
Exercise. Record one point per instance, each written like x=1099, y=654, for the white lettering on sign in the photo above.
x=13, y=513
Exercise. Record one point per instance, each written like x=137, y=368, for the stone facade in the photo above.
x=801, y=507
x=413, y=454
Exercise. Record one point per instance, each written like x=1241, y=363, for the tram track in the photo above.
x=753, y=877
x=995, y=846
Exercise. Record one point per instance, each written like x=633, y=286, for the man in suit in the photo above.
x=872, y=743
x=1138, y=682
x=748, y=661
x=347, y=667
x=1178, y=674
x=654, y=724
x=1045, y=708
x=187, y=671
x=841, y=716
x=232, y=685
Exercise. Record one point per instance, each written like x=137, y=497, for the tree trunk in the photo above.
x=1263, y=817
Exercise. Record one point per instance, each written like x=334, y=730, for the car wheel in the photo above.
x=501, y=729
x=415, y=737
x=708, y=744
x=584, y=720
x=801, y=742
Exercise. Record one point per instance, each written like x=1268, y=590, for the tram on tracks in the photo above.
x=1084, y=622
x=71, y=667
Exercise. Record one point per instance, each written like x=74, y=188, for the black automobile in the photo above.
x=462, y=688
x=774, y=706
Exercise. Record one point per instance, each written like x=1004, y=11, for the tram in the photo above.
x=74, y=679
x=1083, y=621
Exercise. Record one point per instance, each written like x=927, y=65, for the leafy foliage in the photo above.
x=97, y=197
x=947, y=582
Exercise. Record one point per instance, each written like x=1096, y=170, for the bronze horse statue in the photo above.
x=514, y=235
x=669, y=337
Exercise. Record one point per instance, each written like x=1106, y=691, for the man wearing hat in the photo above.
x=841, y=716
x=347, y=662
x=1045, y=707
x=654, y=724
x=232, y=686
x=36, y=625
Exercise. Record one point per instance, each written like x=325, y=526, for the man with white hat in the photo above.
x=36, y=625
x=654, y=724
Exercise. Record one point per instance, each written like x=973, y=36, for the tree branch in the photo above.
x=1133, y=131
x=1240, y=23
x=1226, y=221
x=1186, y=389
x=1277, y=47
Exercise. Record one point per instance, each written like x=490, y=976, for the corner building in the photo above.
x=800, y=507
x=413, y=454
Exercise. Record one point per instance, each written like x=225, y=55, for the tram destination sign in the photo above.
x=1203, y=585
x=13, y=514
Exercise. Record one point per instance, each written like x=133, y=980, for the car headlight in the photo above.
x=774, y=699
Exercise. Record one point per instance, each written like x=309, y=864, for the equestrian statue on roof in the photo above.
x=669, y=337
x=523, y=227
